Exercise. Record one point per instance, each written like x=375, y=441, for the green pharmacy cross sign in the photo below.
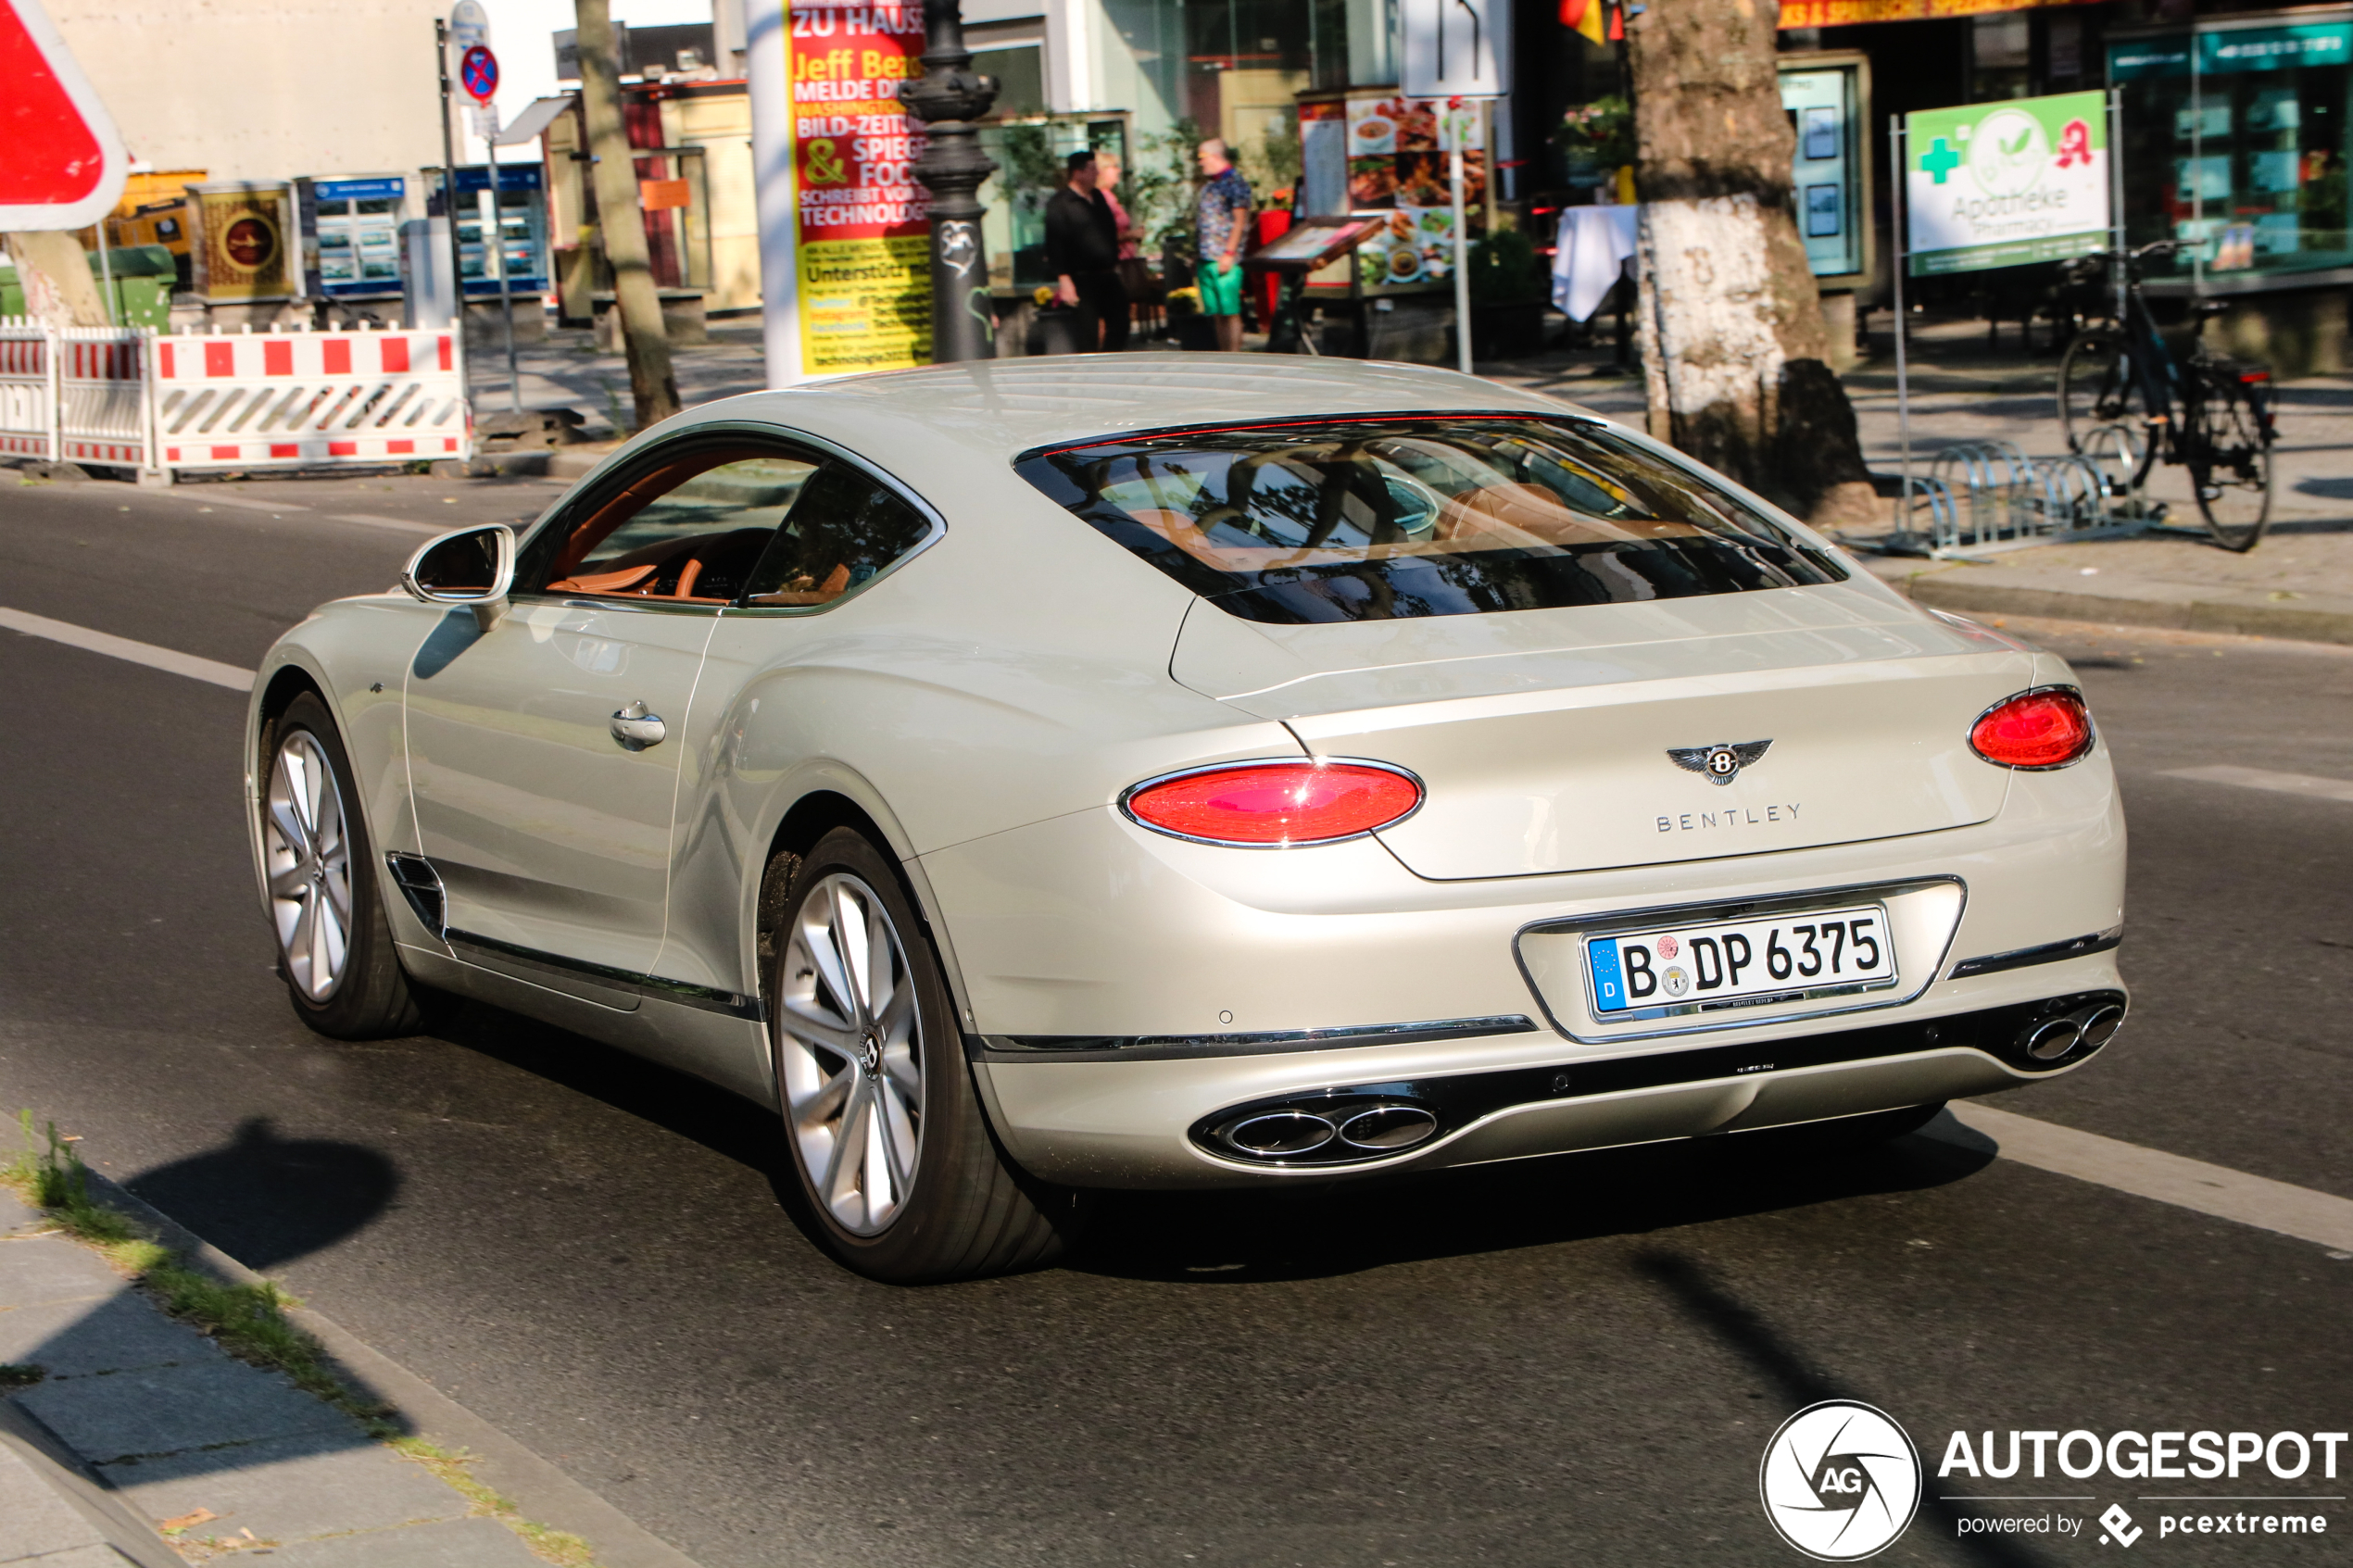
x=2005, y=184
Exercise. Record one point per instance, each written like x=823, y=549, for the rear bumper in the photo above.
x=1170, y=1122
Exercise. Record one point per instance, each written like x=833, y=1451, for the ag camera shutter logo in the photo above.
x=1841, y=1481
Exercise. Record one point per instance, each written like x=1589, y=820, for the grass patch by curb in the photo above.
x=247, y=1320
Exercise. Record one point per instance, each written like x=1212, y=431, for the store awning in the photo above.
x=1853, y=13
x=542, y=113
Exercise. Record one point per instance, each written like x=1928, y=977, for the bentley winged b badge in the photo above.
x=1721, y=762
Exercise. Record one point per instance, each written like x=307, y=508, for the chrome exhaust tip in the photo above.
x=1387, y=1128
x=2049, y=1042
x=1280, y=1135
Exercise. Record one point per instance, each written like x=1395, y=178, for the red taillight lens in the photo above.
x=2034, y=729
x=1277, y=803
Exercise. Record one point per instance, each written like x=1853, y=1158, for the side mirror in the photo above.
x=473, y=566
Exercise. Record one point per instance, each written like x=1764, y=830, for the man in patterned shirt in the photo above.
x=1221, y=226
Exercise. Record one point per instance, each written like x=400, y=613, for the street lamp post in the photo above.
x=948, y=97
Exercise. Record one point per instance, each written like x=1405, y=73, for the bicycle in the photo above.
x=2226, y=429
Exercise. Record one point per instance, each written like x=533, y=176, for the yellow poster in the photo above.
x=865, y=305
x=244, y=239
x=861, y=232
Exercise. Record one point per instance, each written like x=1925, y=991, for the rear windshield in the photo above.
x=1382, y=519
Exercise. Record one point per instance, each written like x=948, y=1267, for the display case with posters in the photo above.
x=1827, y=99
x=243, y=243
x=351, y=235
x=523, y=229
x=1366, y=151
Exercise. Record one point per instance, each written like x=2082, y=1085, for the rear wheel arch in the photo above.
x=808, y=820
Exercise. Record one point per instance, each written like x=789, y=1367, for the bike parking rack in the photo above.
x=1998, y=481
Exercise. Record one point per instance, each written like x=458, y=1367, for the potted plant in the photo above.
x=1054, y=327
x=1507, y=287
x=1186, y=323
x=1596, y=141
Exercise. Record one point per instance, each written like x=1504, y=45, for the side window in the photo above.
x=688, y=529
x=843, y=530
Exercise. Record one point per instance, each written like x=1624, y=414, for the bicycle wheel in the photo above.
x=2096, y=386
x=2230, y=459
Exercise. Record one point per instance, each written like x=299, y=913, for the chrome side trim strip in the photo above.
x=2049, y=952
x=1167, y=1047
x=701, y=998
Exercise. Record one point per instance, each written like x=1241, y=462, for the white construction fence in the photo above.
x=130, y=398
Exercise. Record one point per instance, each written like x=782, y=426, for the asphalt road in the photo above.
x=1572, y=1360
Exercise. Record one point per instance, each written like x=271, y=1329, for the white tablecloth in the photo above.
x=1593, y=245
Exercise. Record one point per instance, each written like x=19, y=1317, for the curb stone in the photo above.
x=539, y=1490
x=2179, y=606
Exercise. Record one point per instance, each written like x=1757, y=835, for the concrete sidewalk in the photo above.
x=133, y=1436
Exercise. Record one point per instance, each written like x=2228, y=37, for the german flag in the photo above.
x=1584, y=17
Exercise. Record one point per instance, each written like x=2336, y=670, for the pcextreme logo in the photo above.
x=1841, y=1481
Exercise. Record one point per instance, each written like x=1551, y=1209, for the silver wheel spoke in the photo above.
x=290, y=883
x=815, y=1029
x=813, y=1112
x=824, y=955
x=850, y=953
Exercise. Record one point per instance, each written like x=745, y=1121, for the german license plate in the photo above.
x=1741, y=963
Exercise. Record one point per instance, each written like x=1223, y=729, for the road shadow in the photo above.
x=1329, y=1229
x=266, y=1200
x=1717, y=1309
x=676, y=1101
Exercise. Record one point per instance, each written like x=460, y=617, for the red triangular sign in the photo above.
x=64, y=166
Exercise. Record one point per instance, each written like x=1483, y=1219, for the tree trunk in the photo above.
x=55, y=272
x=1733, y=346
x=620, y=220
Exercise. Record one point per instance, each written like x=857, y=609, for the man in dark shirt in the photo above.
x=1082, y=246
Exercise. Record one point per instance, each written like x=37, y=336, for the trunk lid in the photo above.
x=1544, y=736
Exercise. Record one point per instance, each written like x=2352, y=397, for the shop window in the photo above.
x=2243, y=155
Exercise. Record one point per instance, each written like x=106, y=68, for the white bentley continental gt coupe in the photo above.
x=1156, y=772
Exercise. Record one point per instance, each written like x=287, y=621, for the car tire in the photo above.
x=335, y=950
x=899, y=1172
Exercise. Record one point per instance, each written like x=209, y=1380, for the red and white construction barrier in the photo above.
x=104, y=412
x=302, y=398
x=28, y=390
x=245, y=400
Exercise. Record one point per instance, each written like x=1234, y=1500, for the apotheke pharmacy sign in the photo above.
x=2005, y=184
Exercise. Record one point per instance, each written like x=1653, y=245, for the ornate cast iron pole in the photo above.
x=948, y=98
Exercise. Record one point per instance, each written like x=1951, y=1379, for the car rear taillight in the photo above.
x=2040, y=729
x=1275, y=805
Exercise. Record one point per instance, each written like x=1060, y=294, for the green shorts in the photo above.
x=1221, y=292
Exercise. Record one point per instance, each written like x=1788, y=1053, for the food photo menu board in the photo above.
x=1373, y=151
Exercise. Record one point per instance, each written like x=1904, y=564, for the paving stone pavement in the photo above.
x=139, y=1421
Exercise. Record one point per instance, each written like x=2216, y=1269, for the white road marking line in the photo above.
x=2263, y=778
x=209, y=500
x=2317, y=1217
x=373, y=521
x=154, y=658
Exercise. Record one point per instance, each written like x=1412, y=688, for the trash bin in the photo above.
x=142, y=279
x=142, y=283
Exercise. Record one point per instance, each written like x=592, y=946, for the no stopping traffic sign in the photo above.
x=479, y=70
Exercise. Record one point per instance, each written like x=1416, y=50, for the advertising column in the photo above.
x=845, y=230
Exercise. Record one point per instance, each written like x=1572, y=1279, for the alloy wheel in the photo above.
x=849, y=1053
x=308, y=853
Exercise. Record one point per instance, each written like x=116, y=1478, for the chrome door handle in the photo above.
x=635, y=729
